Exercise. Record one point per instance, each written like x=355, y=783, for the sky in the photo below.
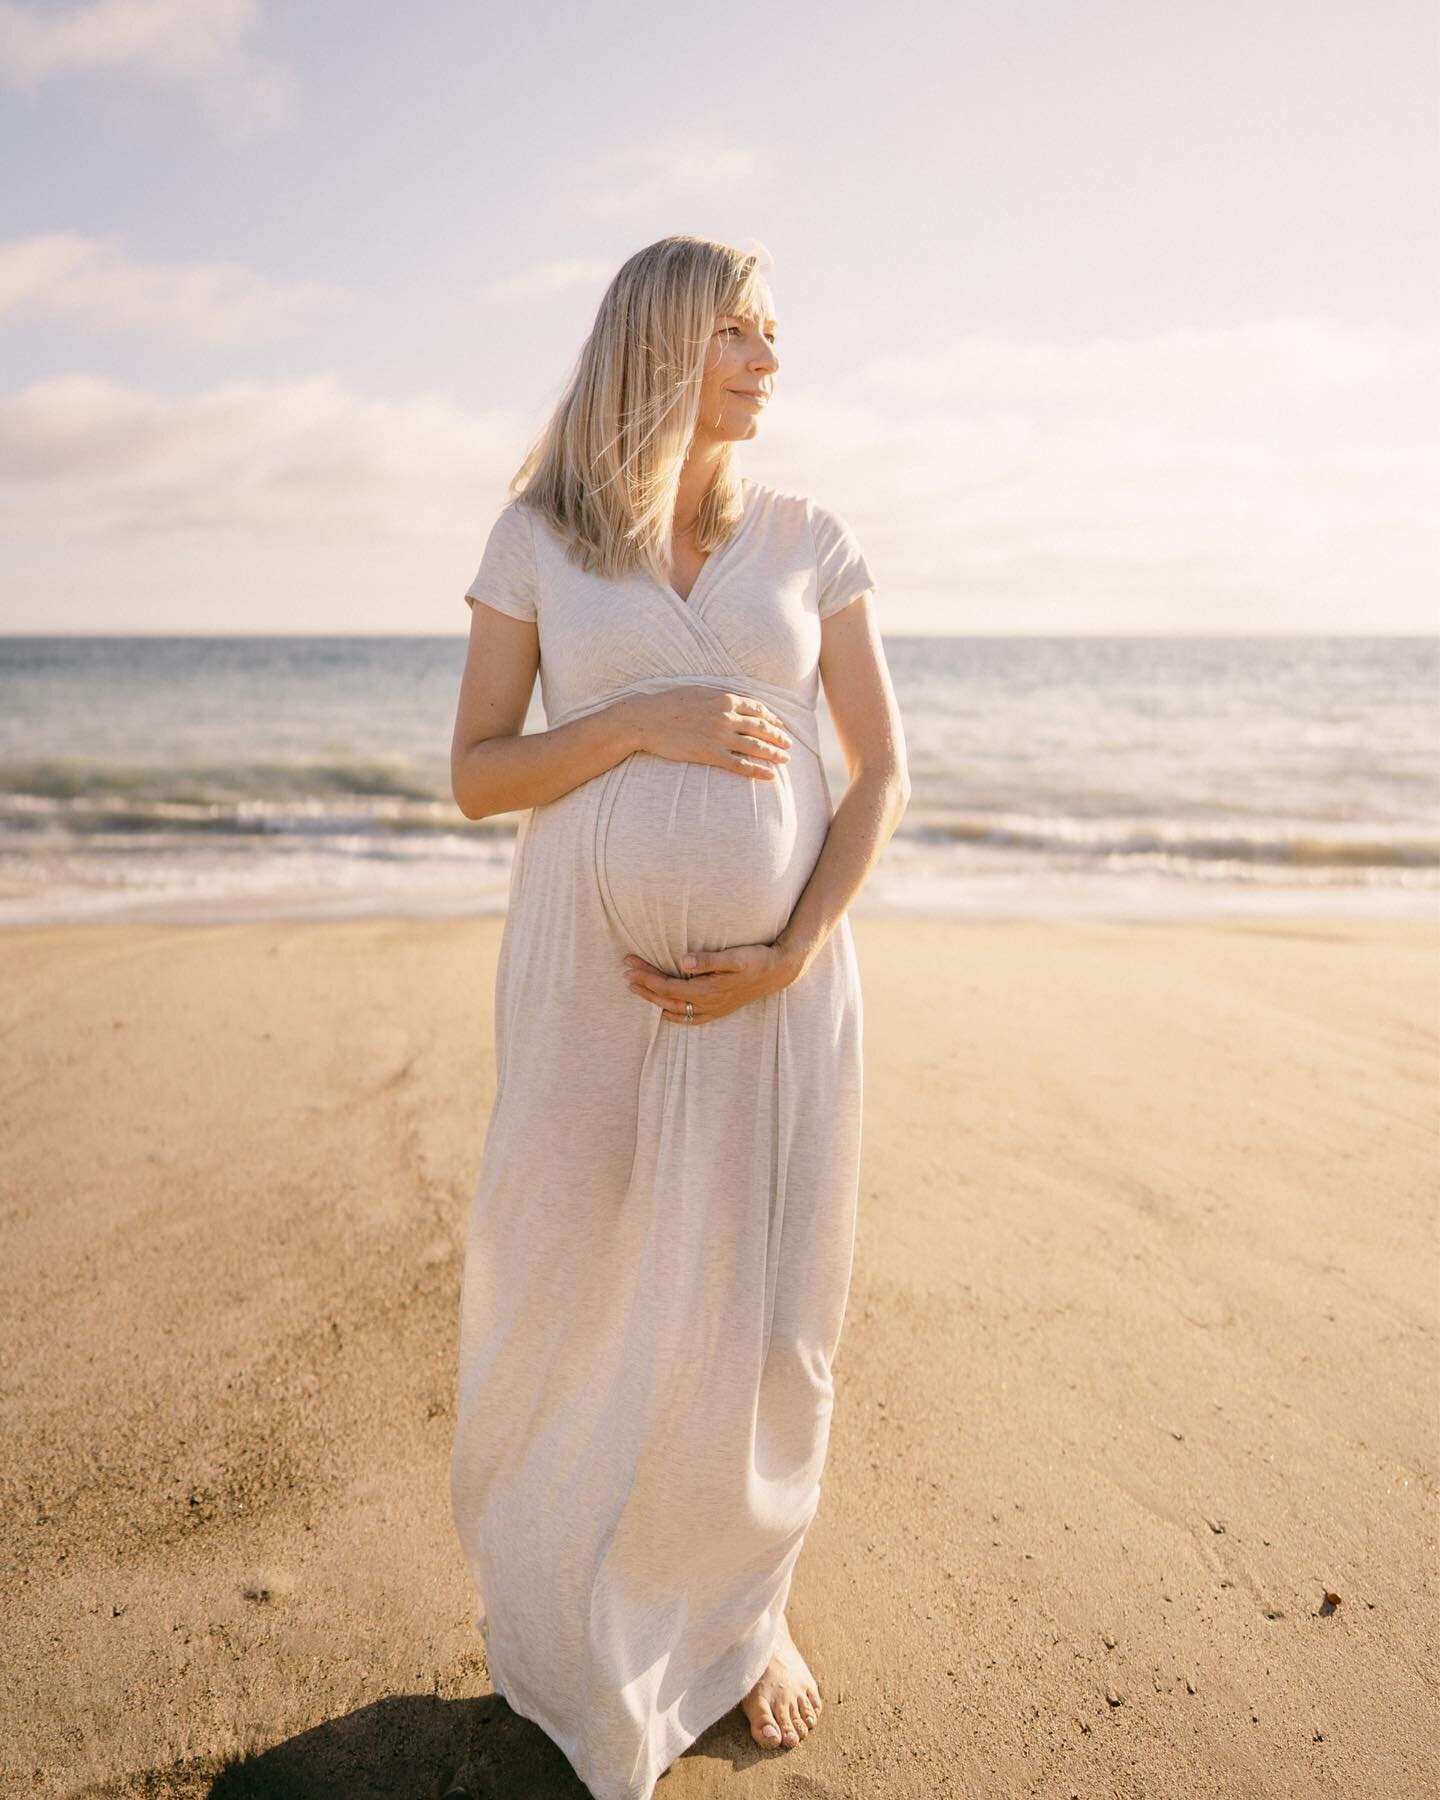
x=1100, y=317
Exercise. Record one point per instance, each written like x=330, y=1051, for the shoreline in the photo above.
x=1088, y=900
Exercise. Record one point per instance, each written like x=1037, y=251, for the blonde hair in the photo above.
x=605, y=469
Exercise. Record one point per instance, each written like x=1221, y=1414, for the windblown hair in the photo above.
x=605, y=469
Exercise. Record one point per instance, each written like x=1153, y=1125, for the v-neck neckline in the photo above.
x=716, y=555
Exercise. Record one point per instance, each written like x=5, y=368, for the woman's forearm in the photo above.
x=509, y=774
x=865, y=820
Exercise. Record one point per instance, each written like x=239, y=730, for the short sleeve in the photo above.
x=842, y=573
x=506, y=578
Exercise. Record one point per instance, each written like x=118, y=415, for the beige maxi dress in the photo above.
x=659, y=1247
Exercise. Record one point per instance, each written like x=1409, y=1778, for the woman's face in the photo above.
x=740, y=366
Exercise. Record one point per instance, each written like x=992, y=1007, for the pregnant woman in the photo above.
x=659, y=1248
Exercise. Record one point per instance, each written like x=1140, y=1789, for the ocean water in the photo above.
x=239, y=777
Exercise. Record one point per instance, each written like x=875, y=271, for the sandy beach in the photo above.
x=1140, y=1363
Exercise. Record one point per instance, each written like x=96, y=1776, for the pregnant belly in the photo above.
x=696, y=858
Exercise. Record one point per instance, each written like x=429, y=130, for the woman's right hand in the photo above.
x=694, y=723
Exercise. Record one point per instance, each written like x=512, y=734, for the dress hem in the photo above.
x=519, y=1703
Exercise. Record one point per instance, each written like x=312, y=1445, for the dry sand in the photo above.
x=1141, y=1360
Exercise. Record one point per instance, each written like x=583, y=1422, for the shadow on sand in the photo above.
x=410, y=1747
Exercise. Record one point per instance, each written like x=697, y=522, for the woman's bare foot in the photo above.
x=785, y=1702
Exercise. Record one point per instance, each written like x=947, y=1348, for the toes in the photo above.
x=787, y=1719
x=764, y=1729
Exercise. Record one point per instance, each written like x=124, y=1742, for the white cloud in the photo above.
x=1220, y=373
x=198, y=46
x=82, y=458
x=543, y=280
x=1284, y=469
x=1277, y=477
x=91, y=282
x=677, y=166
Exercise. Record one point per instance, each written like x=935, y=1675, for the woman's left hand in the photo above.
x=715, y=982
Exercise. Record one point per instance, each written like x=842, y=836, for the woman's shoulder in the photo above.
x=775, y=496
x=524, y=515
x=799, y=512
x=538, y=520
